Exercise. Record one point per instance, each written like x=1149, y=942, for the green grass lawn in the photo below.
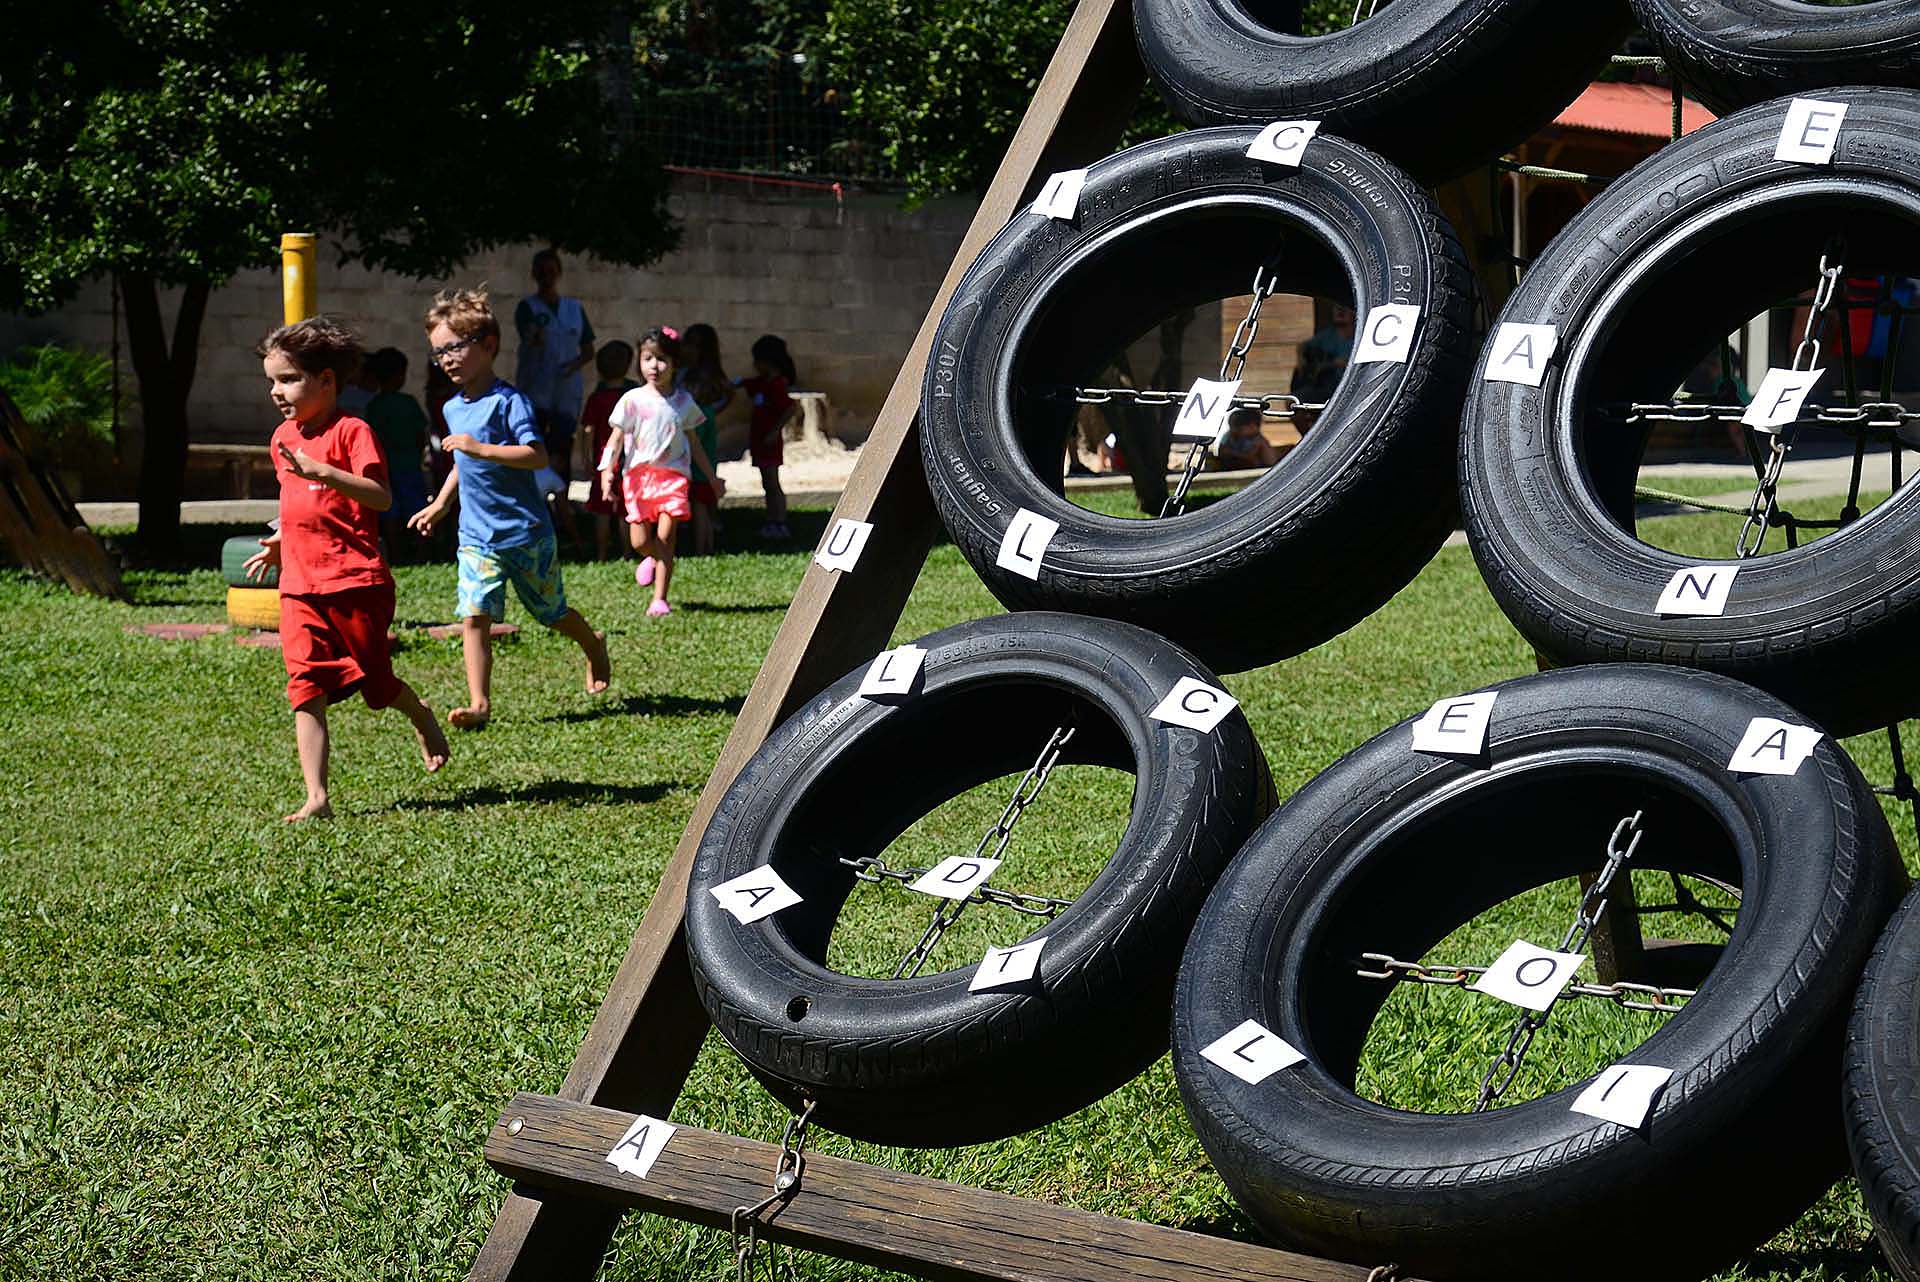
x=238, y=1049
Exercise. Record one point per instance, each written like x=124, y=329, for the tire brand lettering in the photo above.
x=970, y=485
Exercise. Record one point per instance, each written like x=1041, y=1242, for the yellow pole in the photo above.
x=296, y=275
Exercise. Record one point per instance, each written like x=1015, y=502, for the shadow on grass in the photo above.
x=705, y=607
x=563, y=792
x=1230, y=1223
x=1836, y=1262
x=651, y=705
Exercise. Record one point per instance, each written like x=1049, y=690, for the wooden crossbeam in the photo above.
x=947, y=1232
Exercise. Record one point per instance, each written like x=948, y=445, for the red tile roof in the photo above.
x=1643, y=111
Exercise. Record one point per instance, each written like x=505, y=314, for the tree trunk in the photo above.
x=165, y=375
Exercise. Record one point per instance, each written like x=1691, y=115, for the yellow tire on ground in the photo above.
x=254, y=607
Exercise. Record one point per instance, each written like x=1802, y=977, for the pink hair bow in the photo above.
x=670, y=332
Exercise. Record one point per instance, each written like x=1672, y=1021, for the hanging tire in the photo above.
x=1437, y=86
x=1389, y=850
x=234, y=554
x=1343, y=522
x=922, y=1060
x=1883, y=1063
x=1733, y=53
x=254, y=608
x=1638, y=286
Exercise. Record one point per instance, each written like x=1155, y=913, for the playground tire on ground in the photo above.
x=924, y=1061
x=254, y=608
x=1391, y=849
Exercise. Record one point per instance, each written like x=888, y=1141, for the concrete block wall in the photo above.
x=846, y=284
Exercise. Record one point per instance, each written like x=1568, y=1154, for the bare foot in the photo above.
x=433, y=745
x=320, y=809
x=468, y=718
x=599, y=670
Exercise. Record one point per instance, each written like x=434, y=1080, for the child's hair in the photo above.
x=706, y=378
x=665, y=338
x=546, y=255
x=388, y=366
x=315, y=344
x=464, y=311
x=613, y=359
x=773, y=350
x=1244, y=415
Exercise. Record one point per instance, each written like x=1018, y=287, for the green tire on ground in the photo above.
x=254, y=607
x=233, y=561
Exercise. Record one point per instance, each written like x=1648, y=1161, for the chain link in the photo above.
x=1266, y=283
x=1621, y=993
x=1871, y=416
x=995, y=838
x=1500, y=1074
x=789, y=1169
x=1760, y=512
x=1279, y=406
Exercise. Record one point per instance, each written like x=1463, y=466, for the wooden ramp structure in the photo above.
x=566, y=1199
x=39, y=525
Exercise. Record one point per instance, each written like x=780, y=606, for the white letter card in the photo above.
x=1773, y=747
x=1251, y=1053
x=1060, y=198
x=1025, y=542
x=1697, y=589
x=1623, y=1093
x=845, y=541
x=1194, y=704
x=955, y=876
x=1456, y=727
x=1528, y=975
x=1203, y=415
x=1388, y=334
x=1004, y=966
x=1812, y=128
x=1283, y=142
x=1519, y=353
x=640, y=1147
x=756, y=894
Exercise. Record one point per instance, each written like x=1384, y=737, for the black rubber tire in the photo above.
x=1548, y=504
x=1734, y=53
x=1389, y=850
x=233, y=560
x=922, y=1061
x=1883, y=1063
x=1325, y=538
x=1437, y=86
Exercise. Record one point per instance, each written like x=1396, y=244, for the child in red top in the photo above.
x=613, y=360
x=336, y=594
x=772, y=407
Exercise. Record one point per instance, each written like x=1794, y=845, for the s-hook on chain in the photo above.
x=997, y=838
x=788, y=1171
x=1266, y=283
x=1500, y=1074
x=1760, y=512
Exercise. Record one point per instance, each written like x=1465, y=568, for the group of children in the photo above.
x=342, y=478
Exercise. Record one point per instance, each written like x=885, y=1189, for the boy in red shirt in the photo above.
x=336, y=594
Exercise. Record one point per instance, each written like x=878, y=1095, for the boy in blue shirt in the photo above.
x=506, y=535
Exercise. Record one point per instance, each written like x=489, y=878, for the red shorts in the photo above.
x=656, y=491
x=766, y=448
x=703, y=494
x=335, y=643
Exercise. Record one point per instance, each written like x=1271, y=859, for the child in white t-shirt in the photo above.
x=648, y=446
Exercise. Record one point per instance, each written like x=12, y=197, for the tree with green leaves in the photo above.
x=171, y=142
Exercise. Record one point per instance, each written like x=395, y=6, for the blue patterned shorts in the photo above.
x=532, y=568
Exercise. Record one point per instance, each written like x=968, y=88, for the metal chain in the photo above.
x=876, y=870
x=789, y=1169
x=1500, y=1074
x=1760, y=512
x=1871, y=416
x=1621, y=993
x=1276, y=405
x=997, y=838
x=1266, y=282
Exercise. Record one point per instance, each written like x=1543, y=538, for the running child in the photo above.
x=401, y=425
x=773, y=375
x=706, y=380
x=336, y=594
x=647, y=454
x=506, y=535
x=613, y=360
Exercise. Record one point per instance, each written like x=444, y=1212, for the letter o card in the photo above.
x=1002, y=967
x=1025, y=542
x=845, y=541
x=1283, y=142
x=1387, y=335
x=1251, y=1053
x=1203, y=415
x=756, y=894
x=1772, y=747
x=1456, y=727
x=1697, y=589
x=894, y=673
x=1194, y=704
x=1060, y=198
x=1518, y=353
x=1777, y=403
x=1623, y=1093
x=641, y=1146
x=1811, y=130
x=955, y=877
x=1528, y=975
